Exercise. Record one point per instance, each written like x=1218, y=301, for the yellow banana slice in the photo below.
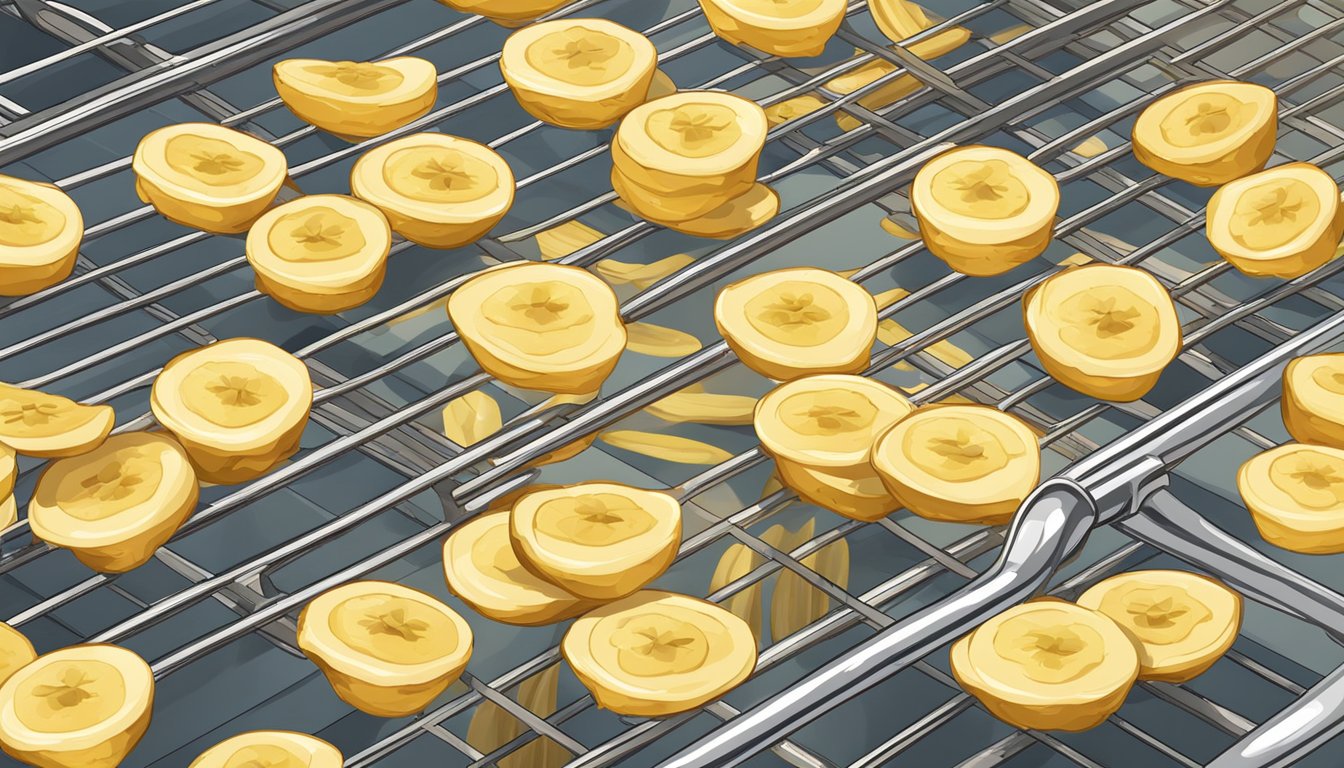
x=9, y=471
x=483, y=570
x=658, y=341
x=984, y=210
x=1313, y=399
x=1090, y=147
x=237, y=406
x=655, y=653
x=114, y=506
x=679, y=450
x=579, y=73
x=682, y=156
x=640, y=275
x=85, y=706
x=900, y=19
x=1295, y=494
x=9, y=512
x=507, y=13
x=1047, y=665
x=386, y=649
x=599, y=541
x=207, y=176
x=436, y=190
x=1283, y=222
x=492, y=726
x=799, y=321
x=737, y=561
x=1104, y=330
x=272, y=749
x=792, y=109
x=41, y=229
x=15, y=651
x=560, y=241
x=50, y=426
x=1208, y=133
x=705, y=408
x=820, y=431
x=320, y=253
x=738, y=216
x=794, y=28
x=796, y=603
x=662, y=85
x=471, y=418
x=1182, y=622
x=963, y=463
x=898, y=88
x=357, y=98
x=541, y=326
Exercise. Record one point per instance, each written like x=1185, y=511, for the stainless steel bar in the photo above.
x=210, y=62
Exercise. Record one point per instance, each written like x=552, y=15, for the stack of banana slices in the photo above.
x=589, y=550
x=1054, y=665
x=1281, y=222
x=688, y=162
x=1295, y=492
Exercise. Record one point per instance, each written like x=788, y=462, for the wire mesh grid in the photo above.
x=212, y=613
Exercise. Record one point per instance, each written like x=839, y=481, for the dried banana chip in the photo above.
x=792, y=109
x=796, y=604
x=1076, y=260
x=560, y=241
x=887, y=298
x=658, y=341
x=1091, y=147
x=891, y=333
x=895, y=229
x=640, y=275
x=471, y=418
x=1011, y=33
x=705, y=408
x=737, y=561
x=679, y=450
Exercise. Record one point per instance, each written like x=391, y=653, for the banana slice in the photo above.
x=599, y=541
x=541, y=326
x=357, y=98
x=271, y=749
x=1313, y=399
x=736, y=217
x=115, y=505
x=15, y=651
x=655, y=653
x=797, y=28
x=1208, y=133
x=1103, y=330
x=237, y=406
x=41, y=229
x=483, y=570
x=50, y=426
x=799, y=321
x=207, y=176
x=320, y=253
x=792, y=109
x=1295, y=494
x=901, y=19
x=9, y=512
x=579, y=73
x=1047, y=665
x=386, y=649
x=682, y=156
x=705, y=408
x=436, y=190
x=820, y=431
x=1283, y=222
x=9, y=472
x=507, y=13
x=984, y=210
x=963, y=463
x=1182, y=622
x=85, y=706
x=899, y=87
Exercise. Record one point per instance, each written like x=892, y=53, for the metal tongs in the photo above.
x=1123, y=483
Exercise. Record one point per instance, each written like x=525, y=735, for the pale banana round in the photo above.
x=1208, y=133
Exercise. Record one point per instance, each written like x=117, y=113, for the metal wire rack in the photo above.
x=377, y=485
